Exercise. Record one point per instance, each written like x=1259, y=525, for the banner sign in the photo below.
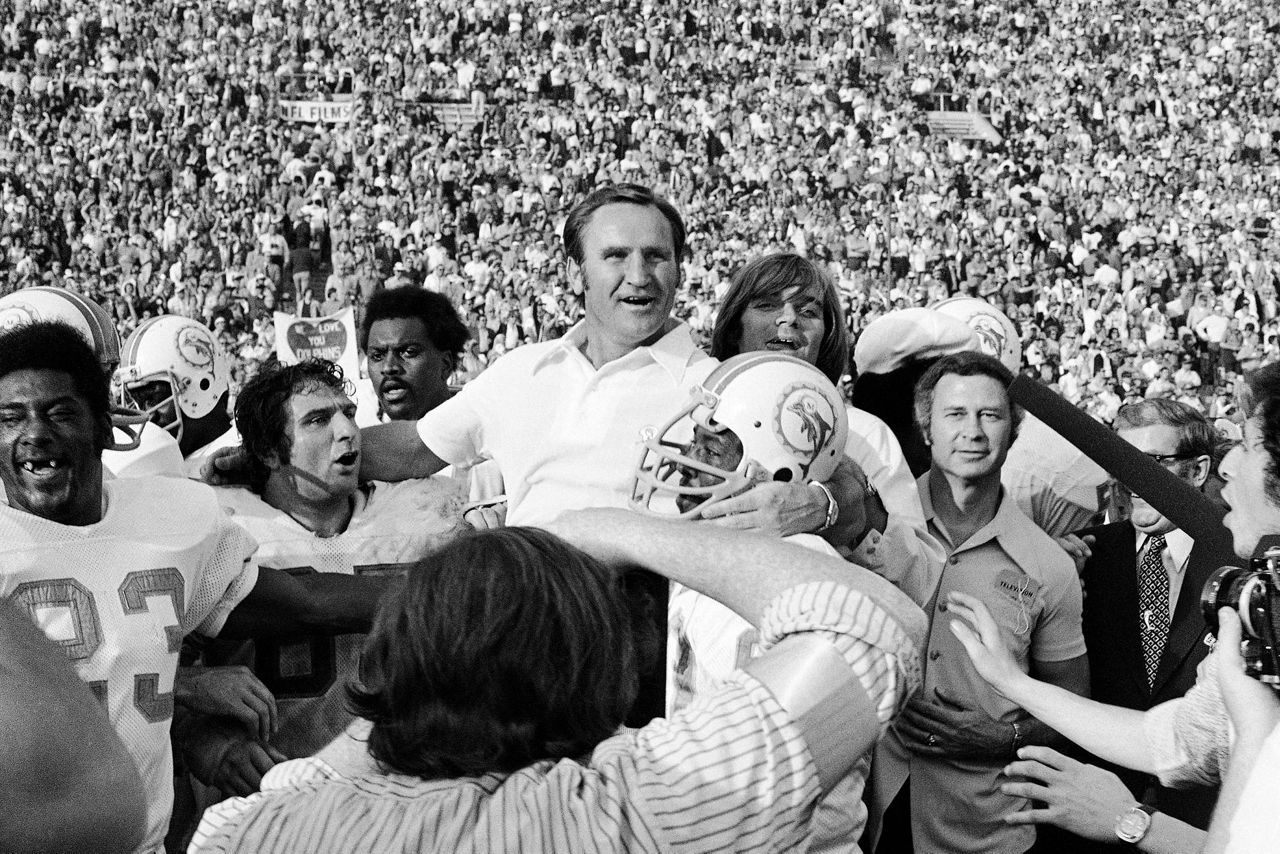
x=310, y=112
x=332, y=338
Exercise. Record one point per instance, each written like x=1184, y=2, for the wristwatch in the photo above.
x=1133, y=824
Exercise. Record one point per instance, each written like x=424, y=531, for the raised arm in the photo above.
x=841, y=641
x=66, y=782
x=388, y=452
x=744, y=571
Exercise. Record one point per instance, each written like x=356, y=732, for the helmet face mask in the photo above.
x=154, y=398
x=789, y=422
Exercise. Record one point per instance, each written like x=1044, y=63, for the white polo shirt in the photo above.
x=564, y=434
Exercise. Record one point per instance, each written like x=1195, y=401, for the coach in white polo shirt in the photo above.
x=563, y=419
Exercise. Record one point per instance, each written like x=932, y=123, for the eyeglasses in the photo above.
x=1166, y=459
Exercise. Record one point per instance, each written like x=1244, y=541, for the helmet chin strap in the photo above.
x=131, y=423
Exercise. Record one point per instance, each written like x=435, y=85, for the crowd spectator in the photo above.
x=1126, y=216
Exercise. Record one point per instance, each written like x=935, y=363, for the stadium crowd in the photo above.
x=677, y=232
x=1126, y=222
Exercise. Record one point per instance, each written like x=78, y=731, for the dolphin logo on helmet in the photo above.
x=788, y=416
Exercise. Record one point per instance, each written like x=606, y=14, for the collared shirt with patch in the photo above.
x=1031, y=587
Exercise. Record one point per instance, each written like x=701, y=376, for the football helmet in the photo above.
x=81, y=313
x=45, y=303
x=183, y=353
x=788, y=416
x=997, y=336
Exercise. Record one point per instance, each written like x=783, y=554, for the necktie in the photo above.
x=1153, y=597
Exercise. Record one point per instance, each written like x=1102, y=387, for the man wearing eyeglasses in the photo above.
x=1143, y=626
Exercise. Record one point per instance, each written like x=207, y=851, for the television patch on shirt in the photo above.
x=1020, y=591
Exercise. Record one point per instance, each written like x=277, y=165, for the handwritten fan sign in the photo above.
x=332, y=338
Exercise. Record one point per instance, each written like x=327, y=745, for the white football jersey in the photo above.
x=157, y=454
x=394, y=524
x=119, y=595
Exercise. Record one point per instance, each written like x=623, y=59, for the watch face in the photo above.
x=1132, y=826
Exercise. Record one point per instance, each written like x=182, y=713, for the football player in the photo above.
x=309, y=514
x=134, y=451
x=117, y=571
x=173, y=370
x=758, y=417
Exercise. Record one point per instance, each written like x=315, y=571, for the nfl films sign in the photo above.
x=311, y=112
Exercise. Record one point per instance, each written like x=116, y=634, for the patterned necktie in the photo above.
x=1153, y=597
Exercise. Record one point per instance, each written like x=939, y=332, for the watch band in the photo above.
x=833, y=509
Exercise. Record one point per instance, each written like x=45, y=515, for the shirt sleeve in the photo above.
x=732, y=771
x=1189, y=738
x=227, y=576
x=454, y=430
x=1059, y=635
x=905, y=554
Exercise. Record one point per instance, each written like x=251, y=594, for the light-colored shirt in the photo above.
x=1256, y=823
x=1189, y=738
x=1031, y=588
x=731, y=772
x=119, y=595
x=563, y=433
x=196, y=459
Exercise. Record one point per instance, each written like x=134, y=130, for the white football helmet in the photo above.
x=57, y=304
x=183, y=353
x=997, y=336
x=44, y=303
x=789, y=417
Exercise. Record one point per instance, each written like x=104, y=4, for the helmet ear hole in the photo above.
x=204, y=383
x=782, y=475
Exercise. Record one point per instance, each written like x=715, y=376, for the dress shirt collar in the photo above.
x=1179, y=544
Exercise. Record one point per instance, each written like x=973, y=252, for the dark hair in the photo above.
x=445, y=329
x=1196, y=436
x=619, y=194
x=504, y=647
x=969, y=363
x=770, y=276
x=262, y=410
x=54, y=346
x=1260, y=399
